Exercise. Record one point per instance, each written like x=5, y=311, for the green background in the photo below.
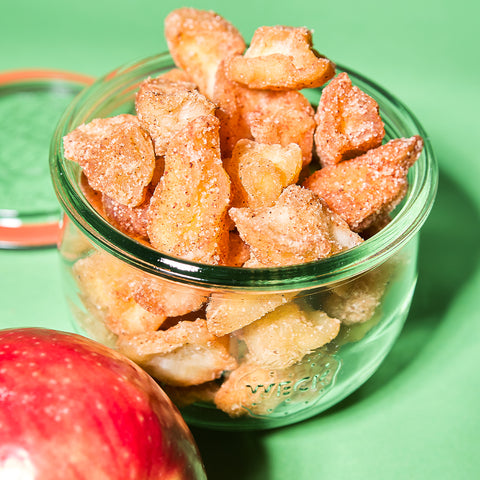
x=418, y=417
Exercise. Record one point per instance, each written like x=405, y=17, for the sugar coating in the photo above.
x=116, y=155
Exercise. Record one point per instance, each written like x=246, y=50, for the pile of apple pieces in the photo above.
x=215, y=168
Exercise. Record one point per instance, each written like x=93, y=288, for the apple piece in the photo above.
x=73, y=408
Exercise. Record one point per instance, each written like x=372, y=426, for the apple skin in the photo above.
x=71, y=408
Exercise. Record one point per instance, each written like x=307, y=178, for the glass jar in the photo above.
x=355, y=303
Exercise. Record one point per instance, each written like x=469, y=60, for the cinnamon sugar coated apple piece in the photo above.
x=192, y=364
x=296, y=229
x=164, y=107
x=166, y=298
x=184, y=354
x=227, y=312
x=188, y=208
x=368, y=187
x=104, y=284
x=285, y=335
x=259, y=172
x=116, y=155
x=142, y=345
x=279, y=118
x=348, y=122
x=280, y=58
x=198, y=41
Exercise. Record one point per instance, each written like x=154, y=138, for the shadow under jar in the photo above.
x=233, y=382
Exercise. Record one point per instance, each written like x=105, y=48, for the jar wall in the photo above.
x=254, y=359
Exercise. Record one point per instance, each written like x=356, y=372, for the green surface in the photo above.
x=418, y=417
x=28, y=115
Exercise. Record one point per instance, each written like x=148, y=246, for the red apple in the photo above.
x=71, y=408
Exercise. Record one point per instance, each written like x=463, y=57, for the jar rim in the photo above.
x=409, y=217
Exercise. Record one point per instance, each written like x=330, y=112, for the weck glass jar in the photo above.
x=309, y=334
